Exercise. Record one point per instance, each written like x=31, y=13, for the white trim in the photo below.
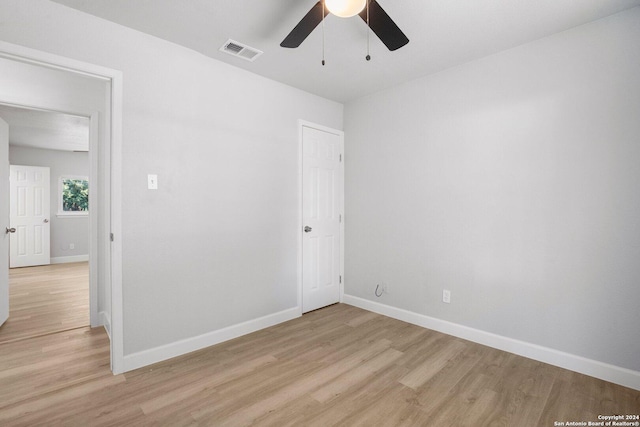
x=113, y=166
x=45, y=59
x=68, y=259
x=302, y=124
x=43, y=109
x=105, y=321
x=178, y=348
x=75, y=214
x=111, y=152
x=94, y=146
x=594, y=368
x=300, y=222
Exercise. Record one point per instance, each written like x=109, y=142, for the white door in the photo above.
x=4, y=221
x=322, y=195
x=29, y=206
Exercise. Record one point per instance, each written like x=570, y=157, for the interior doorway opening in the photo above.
x=49, y=279
x=43, y=81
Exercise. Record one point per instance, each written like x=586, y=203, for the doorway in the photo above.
x=322, y=216
x=49, y=280
x=105, y=248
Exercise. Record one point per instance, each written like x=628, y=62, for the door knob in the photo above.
x=11, y=230
x=45, y=221
x=307, y=229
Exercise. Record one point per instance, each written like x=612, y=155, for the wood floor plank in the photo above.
x=208, y=381
x=356, y=375
x=303, y=385
x=432, y=366
x=340, y=366
x=46, y=299
x=30, y=408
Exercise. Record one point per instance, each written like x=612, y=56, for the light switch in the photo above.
x=152, y=181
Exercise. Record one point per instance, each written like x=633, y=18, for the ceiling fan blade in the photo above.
x=305, y=26
x=384, y=27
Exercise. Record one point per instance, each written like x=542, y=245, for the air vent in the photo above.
x=240, y=50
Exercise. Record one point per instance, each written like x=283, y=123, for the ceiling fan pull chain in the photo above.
x=368, y=57
x=323, y=14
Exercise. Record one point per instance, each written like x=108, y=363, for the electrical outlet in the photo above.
x=72, y=246
x=446, y=296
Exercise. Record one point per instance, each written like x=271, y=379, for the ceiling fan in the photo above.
x=372, y=14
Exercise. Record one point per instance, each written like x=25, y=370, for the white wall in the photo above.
x=68, y=229
x=514, y=182
x=215, y=245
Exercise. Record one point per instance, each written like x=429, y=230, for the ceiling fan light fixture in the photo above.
x=345, y=8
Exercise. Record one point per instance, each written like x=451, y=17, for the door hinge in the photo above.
x=340, y=156
x=340, y=279
x=111, y=237
x=340, y=216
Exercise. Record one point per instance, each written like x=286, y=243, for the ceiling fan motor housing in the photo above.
x=345, y=8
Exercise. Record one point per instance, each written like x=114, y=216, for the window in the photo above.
x=73, y=196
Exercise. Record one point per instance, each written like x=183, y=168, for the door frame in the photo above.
x=5, y=219
x=110, y=202
x=301, y=125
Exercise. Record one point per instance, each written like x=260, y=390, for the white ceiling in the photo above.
x=44, y=129
x=442, y=33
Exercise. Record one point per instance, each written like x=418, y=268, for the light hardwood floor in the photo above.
x=337, y=366
x=46, y=299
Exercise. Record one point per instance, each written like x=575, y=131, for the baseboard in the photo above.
x=66, y=259
x=158, y=354
x=604, y=371
x=105, y=320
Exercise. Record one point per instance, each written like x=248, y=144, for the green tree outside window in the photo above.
x=75, y=195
